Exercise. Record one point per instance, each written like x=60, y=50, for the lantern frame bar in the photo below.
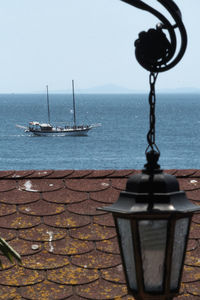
x=140, y=293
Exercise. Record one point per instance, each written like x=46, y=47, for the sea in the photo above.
x=119, y=143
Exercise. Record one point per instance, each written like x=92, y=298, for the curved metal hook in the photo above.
x=170, y=61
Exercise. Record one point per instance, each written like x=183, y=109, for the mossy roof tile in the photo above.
x=73, y=275
x=100, y=290
x=25, y=247
x=44, y=260
x=69, y=246
x=8, y=234
x=41, y=208
x=67, y=220
x=93, y=232
x=18, y=220
x=42, y=233
x=46, y=291
x=7, y=292
x=96, y=260
x=19, y=276
x=105, y=220
x=7, y=209
x=69, y=249
x=87, y=208
x=115, y=274
x=108, y=246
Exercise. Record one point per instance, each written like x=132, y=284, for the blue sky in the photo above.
x=91, y=41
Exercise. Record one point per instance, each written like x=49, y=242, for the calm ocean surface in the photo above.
x=119, y=143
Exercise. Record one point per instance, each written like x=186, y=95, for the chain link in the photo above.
x=152, y=119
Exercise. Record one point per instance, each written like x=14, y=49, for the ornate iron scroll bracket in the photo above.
x=157, y=52
x=153, y=49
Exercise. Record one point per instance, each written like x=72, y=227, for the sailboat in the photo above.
x=47, y=129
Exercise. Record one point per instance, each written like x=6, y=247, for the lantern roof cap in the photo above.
x=152, y=192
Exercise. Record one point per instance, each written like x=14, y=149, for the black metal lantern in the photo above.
x=152, y=218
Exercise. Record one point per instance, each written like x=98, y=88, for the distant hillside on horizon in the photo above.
x=115, y=89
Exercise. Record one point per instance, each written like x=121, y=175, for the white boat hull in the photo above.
x=82, y=132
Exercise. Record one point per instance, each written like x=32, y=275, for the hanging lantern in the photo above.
x=152, y=218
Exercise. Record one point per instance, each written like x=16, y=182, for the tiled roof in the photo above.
x=69, y=249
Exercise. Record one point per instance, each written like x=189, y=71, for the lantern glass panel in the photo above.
x=125, y=234
x=180, y=236
x=153, y=237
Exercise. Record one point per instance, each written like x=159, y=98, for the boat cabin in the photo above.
x=36, y=126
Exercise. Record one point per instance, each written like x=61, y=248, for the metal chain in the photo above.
x=152, y=119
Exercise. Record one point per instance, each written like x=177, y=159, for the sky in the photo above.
x=91, y=41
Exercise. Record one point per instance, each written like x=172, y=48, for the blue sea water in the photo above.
x=119, y=143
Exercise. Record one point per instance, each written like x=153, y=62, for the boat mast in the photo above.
x=48, y=105
x=74, y=106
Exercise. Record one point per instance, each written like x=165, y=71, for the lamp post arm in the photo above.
x=174, y=11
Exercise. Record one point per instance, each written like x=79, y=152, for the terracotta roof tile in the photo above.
x=105, y=220
x=8, y=234
x=42, y=233
x=119, y=183
x=67, y=220
x=40, y=173
x=6, y=173
x=85, y=185
x=65, y=196
x=46, y=290
x=7, y=209
x=8, y=292
x=7, y=185
x=80, y=174
x=19, y=276
x=73, y=275
x=38, y=185
x=69, y=248
x=185, y=173
x=108, y=196
x=193, y=288
x=93, y=232
x=115, y=274
x=108, y=246
x=17, y=220
x=26, y=247
x=60, y=173
x=18, y=197
x=101, y=289
x=44, y=260
x=46, y=209
x=96, y=260
x=87, y=207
